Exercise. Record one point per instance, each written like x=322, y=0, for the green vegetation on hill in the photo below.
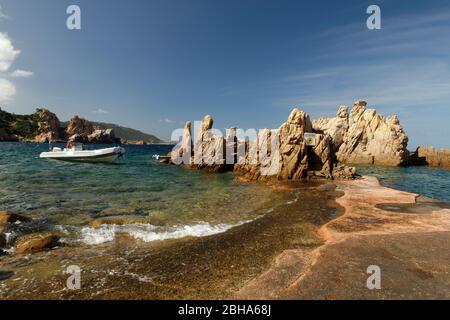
x=27, y=126
x=21, y=125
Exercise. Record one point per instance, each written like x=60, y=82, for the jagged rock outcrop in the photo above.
x=182, y=153
x=269, y=154
x=292, y=159
x=105, y=136
x=82, y=131
x=209, y=148
x=366, y=137
x=322, y=160
x=335, y=127
x=41, y=126
x=207, y=152
x=79, y=126
x=430, y=156
x=48, y=126
x=257, y=159
x=293, y=150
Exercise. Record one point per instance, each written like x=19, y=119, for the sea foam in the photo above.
x=148, y=232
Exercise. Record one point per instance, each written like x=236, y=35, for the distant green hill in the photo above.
x=15, y=127
x=124, y=133
x=129, y=134
x=23, y=125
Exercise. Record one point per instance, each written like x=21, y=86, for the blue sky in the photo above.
x=152, y=65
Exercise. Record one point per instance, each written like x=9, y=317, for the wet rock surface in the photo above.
x=36, y=242
x=11, y=217
x=308, y=248
x=409, y=245
x=205, y=268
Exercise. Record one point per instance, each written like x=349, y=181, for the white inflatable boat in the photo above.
x=76, y=153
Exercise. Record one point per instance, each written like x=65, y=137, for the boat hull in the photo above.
x=108, y=155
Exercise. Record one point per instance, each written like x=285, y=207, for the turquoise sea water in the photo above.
x=430, y=182
x=69, y=195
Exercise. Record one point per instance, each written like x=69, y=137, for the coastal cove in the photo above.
x=235, y=158
x=264, y=228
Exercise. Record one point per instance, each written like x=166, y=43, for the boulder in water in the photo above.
x=37, y=242
x=10, y=217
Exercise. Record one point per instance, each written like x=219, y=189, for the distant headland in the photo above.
x=43, y=126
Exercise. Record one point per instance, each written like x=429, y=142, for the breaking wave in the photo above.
x=148, y=232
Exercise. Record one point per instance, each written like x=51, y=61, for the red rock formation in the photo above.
x=79, y=126
x=48, y=126
x=81, y=130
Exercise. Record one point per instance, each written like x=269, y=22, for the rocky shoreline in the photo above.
x=399, y=231
x=304, y=149
x=318, y=247
x=432, y=157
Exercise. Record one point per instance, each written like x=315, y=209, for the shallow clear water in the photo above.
x=430, y=182
x=69, y=195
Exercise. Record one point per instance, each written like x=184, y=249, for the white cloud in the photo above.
x=100, y=111
x=8, y=55
x=2, y=14
x=7, y=52
x=21, y=74
x=7, y=90
x=166, y=121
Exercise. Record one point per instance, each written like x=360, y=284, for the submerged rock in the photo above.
x=37, y=242
x=10, y=217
